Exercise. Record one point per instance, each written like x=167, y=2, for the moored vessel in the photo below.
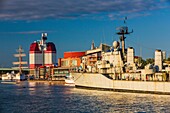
x=117, y=68
x=69, y=80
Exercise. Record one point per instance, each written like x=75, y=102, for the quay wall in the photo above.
x=100, y=81
x=58, y=82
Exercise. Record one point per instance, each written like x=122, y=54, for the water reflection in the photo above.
x=39, y=97
x=32, y=88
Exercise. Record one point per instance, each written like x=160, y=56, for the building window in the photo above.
x=65, y=63
x=74, y=62
x=62, y=63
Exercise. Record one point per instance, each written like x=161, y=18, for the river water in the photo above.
x=44, y=98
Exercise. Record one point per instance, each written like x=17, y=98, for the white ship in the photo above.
x=117, y=68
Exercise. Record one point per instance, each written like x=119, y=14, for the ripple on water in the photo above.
x=49, y=99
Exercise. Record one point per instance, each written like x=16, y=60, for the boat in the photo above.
x=69, y=80
x=118, y=69
x=16, y=77
x=9, y=76
x=12, y=77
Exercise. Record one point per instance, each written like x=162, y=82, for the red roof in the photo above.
x=73, y=54
x=34, y=47
x=51, y=47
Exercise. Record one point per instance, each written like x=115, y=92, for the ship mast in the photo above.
x=20, y=62
x=123, y=30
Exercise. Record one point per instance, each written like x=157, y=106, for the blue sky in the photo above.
x=73, y=24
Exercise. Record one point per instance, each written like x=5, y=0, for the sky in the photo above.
x=73, y=24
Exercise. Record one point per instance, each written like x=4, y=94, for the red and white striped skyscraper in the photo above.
x=42, y=53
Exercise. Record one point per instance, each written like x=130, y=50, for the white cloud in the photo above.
x=56, y=9
x=28, y=32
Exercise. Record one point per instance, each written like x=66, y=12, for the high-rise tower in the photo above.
x=42, y=53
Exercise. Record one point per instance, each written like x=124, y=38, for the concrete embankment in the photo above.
x=59, y=82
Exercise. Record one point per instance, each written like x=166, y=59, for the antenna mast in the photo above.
x=123, y=30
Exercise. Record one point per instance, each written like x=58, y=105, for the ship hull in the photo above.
x=99, y=81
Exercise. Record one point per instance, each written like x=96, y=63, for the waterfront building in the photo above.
x=70, y=62
x=71, y=59
x=42, y=55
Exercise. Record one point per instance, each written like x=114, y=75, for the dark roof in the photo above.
x=34, y=47
x=51, y=47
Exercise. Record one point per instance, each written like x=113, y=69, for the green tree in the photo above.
x=168, y=59
x=142, y=63
x=150, y=61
